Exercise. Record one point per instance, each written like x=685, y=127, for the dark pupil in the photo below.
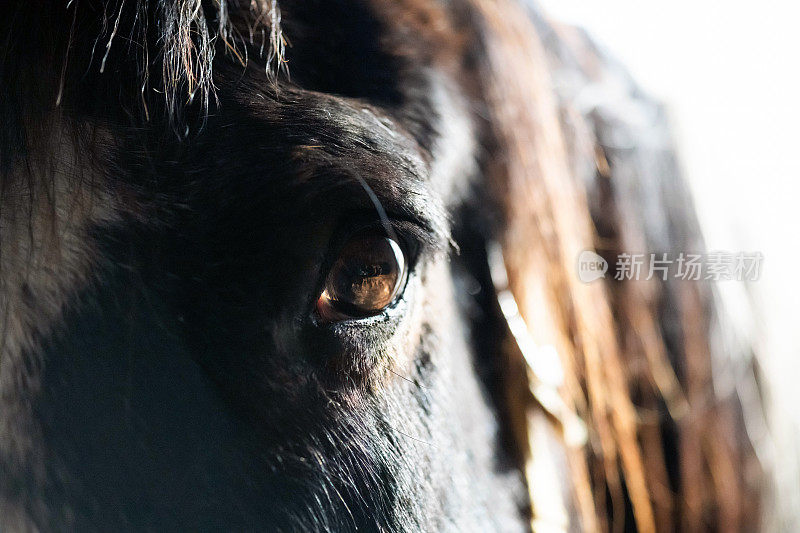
x=366, y=276
x=365, y=271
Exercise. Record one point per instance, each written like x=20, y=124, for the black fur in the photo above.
x=186, y=383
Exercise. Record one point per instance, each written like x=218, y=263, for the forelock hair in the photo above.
x=188, y=34
x=168, y=45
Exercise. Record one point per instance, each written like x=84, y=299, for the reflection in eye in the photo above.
x=365, y=279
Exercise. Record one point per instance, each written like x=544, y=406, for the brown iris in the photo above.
x=365, y=279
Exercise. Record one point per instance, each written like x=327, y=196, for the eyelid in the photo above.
x=412, y=238
x=425, y=235
x=430, y=227
x=414, y=234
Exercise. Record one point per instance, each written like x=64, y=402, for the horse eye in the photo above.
x=365, y=279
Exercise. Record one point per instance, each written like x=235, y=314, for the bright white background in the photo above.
x=729, y=72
